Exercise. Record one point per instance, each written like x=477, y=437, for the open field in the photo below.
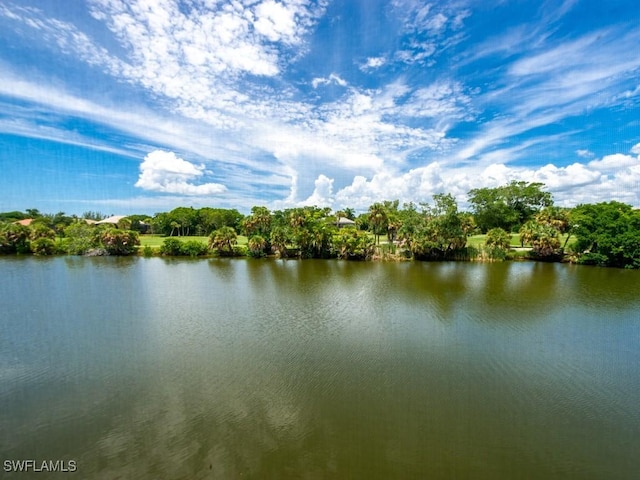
x=155, y=241
x=478, y=240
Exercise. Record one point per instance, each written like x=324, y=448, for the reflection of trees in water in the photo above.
x=106, y=262
x=493, y=291
x=269, y=369
x=602, y=288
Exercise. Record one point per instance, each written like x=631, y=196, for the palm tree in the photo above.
x=257, y=246
x=544, y=239
x=498, y=238
x=258, y=223
x=350, y=213
x=378, y=220
x=546, y=242
x=528, y=233
x=125, y=223
x=279, y=239
x=223, y=240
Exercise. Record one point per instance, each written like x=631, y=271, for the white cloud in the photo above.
x=322, y=195
x=69, y=39
x=552, y=81
x=373, y=63
x=584, y=153
x=612, y=177
x=614, y=162
x=442, y=99
x=333, y=78
x=164, y=172
x=206, y=62
x=275, y=21
x=425, y=26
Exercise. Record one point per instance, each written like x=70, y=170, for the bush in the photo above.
x=193, y=248
x=119, y=242
x=14, y=238
x=171, y=247
x=80, y=238
x=354, y=244
x=240, y=251
x=593, y=259
x=43, y=246
x=147, y=251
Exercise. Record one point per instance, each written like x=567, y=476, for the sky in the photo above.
x=141, y=106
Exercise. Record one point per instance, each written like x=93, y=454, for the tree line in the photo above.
x=606, y=233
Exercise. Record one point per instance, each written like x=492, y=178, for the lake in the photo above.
x=240, y=368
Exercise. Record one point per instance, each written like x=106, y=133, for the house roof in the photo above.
x=345, y=221
x=26, y=222
x=112, y=220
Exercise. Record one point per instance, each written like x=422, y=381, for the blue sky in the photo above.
x=140, y=106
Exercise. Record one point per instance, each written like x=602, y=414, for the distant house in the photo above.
x=26, y=222
x=114, y=220
x=139, y=226
x=345, y=222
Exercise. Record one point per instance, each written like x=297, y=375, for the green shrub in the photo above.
x=593, y=259
x=43, y=246
x=171, y=246
x=240, y=251
x=79, y=238
x=119, y=242
x=193, y=248
x=14, y=238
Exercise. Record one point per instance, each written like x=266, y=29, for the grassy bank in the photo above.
x=155, y=241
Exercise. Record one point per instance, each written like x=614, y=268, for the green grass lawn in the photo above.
x=155, y=241
x=478, y=240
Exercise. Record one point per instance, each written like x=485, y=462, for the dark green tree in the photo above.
x=80, y=238
x=607, y=234
x=444, y=233
x=508, y=206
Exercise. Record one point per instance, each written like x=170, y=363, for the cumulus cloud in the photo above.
x=614, y=162
x=322, y=195
x=164, y=172
x=636, y=149
x=584, y=153
x=614, y=177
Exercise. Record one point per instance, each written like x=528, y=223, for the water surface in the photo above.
x=154, y=368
